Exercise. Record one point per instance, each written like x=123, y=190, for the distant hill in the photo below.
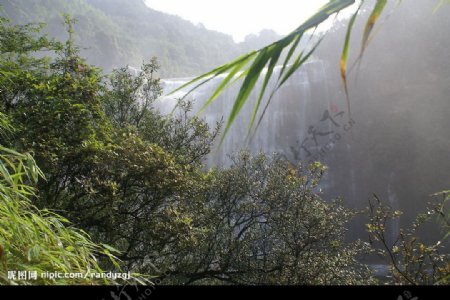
x=114, y=33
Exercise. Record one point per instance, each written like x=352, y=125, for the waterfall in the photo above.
x=296, y=106
x=308, y=103
x=394, y=204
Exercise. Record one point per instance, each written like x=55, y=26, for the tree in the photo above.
x=134, y=179
x=96, y=147
x=95, y=176
x=40, y=241
x=130, y=98
x=18, y=68
x=129, y=104
x=262, y=222
x=412, y=261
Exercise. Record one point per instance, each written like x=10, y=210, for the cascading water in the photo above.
x=306, y=121
x=394, y=204
x=295, y=107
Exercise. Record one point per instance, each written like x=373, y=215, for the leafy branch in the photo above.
x=250, y=66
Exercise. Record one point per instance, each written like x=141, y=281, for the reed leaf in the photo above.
x=272, y=64
x=300, y=60
x=37, y=240
x=225, y=83
x=213, y=73
x=344, y=56
x=373, y=18
x=250, y=80
x=440, y=4
x=251, y=65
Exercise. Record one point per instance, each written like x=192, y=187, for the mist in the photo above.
x=395, y=141
x=307, y=190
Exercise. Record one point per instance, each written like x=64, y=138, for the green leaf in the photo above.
x=111, y=249
x=270, y=55
x=224, y=84
x=273, y=60
x=33, y=253
x=373, y=18
x=290, y=53
x=344, y=56
x=214, y=73
x=440, y=4
x=247, y=86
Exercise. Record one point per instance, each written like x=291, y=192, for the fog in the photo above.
x=400, y=102
x=395, y=143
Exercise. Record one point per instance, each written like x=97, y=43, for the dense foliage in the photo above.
x=413, y=261
x=134, y=179
x=264, y=223
x=39, y=241
x=114, y=33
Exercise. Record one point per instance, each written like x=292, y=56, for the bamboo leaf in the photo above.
x=300, y=60
x=5, y=174
x=344, y=56
x=270, y=55
x=214, y=73
x=224, y=84
x=248, y=85
x=111, y=249
x=273, y=61
x=290, y=53
x=373, y=18
x=440, y=4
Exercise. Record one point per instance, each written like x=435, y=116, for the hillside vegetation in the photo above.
x=115, y=33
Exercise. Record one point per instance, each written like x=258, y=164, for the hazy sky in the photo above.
x=241, y=17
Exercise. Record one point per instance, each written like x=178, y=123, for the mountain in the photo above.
x=114, y=33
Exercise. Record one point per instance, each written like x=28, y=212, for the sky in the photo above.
x=241, y=17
